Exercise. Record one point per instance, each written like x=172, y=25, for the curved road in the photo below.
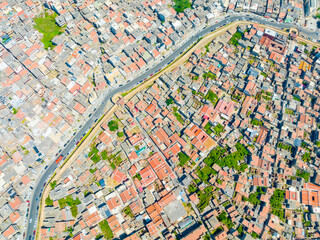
x=37, y=191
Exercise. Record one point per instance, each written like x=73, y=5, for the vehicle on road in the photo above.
x=59, y=159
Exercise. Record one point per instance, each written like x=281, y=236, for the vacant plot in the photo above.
x=46, y=24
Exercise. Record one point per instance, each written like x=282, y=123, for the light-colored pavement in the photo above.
x=208, y=34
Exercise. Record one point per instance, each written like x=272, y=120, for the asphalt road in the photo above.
x=37, y=191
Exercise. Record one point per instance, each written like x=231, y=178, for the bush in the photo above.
x=68, y=200
x=113, y=166
x=218, y=156
x=105, y=229
x=120, y=134
x=243, y=167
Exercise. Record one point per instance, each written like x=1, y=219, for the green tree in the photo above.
x=169, y=101
x=181, y=5
x=113, y=125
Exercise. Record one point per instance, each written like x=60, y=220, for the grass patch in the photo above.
x=46, y=24
x=285, y=146
x=303, y=174
x=53, y=184
x=276, y=203
x=183, y=158
x=207, y=128
x=221, y=157
x=138, y=176
x=93, y=154
x=127, y=211
x=218, y=129
x=209, y=75
x=205, y=173
x=49, y=201
x=235, y=38
x=105, y=229
x=68, y=200
x=306, y=157
x=74, y=211
x=204, y=198
x=256, y=122
x=211, y=96
x=178, y=117
x=289, y=111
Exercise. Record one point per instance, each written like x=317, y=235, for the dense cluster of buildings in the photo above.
x=224, y=146
x=47, y=94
